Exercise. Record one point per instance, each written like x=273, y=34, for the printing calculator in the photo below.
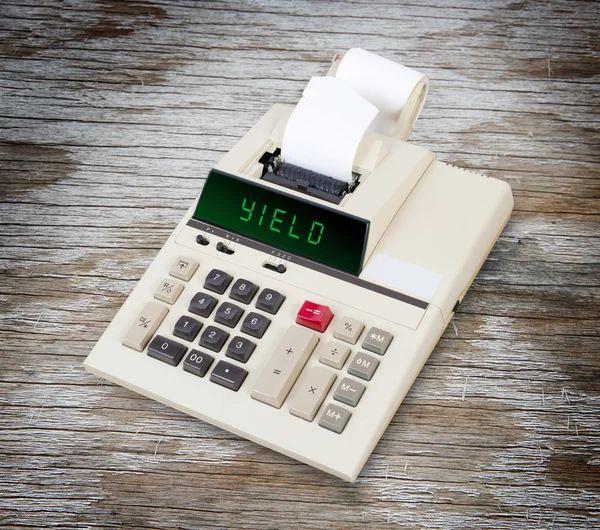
x=295, y=311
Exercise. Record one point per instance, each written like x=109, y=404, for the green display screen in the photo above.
x=289, y=223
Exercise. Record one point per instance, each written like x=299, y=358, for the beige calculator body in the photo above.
x=324, y=394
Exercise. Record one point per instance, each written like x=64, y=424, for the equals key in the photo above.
x=284, y=366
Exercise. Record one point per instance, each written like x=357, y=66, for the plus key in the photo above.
x=314, y=316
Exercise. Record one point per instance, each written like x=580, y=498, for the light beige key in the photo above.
x=145, y=325
x=333, y=354
x=284, y=366
x=168, y=291
x=348, y=329
x=183, y=268
x=310, y=391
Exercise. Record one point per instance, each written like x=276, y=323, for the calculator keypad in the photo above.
x=243, y=291
x=310, y=391
x=284, y=366
x=168, y=291
x=349, y=391
x=377, y=341
x=197, y=363
x=269, y=301
x=187, y=328
x=285, y=377
x=217, y=281
x=363, y=366
x=335, y=418
x=333, y=354
x=348, y=330
x=166, y=350
x=228, y=375
x=240, y=349
x=228, y=314
x=145, y=325
x=314, y=316
x=213, y=338
x=255, y=325
x=202, y=304
x=183, y=268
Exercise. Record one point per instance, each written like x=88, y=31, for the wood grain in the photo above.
x=112, y=113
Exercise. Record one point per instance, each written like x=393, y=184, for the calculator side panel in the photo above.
x=447, y=227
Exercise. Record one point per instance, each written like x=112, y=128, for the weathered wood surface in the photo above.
x=112, y=113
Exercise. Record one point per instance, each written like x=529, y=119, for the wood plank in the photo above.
x=111, y=115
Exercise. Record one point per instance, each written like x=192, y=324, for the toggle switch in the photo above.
x=221, y=247
x=279, y=267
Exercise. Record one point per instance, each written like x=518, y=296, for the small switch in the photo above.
x=314, y=316
x=201, y=240
x=280, y=267
x=221, y=247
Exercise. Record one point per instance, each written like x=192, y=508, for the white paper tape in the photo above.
x=326, y=127
x=386, y=84
x=405, y=277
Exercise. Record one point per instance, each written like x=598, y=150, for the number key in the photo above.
x=217, y=281
x=269, y=301
x=240, y=349
x=255, y=325
x=213, y=338
x=202, y=304
x=243, y=291
x=197, y=363
x=187, y=328
x=228, y=314
x=166, y=350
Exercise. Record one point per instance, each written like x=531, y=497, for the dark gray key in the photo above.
x=255, y=324
x=335, y=418
x=349, y=391
x=240, y=349
x=363, y=366
x=217, y=281
x=213, y=338
x=187, y=328
x=202, y=304
x=166, y=350
x=377, y=341
x=197, y=363
x=269, y=301
x=228, y=314
x=228, y=375
x=243, y=291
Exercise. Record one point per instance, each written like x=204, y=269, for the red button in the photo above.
x=314, y=316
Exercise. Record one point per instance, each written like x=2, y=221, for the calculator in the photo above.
x=296, y=316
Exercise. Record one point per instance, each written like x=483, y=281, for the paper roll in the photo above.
x=388, y=86
x=326, y=127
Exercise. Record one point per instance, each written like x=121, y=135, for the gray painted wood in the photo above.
x=112, y=113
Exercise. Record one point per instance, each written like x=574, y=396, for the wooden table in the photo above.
x=111, y=116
